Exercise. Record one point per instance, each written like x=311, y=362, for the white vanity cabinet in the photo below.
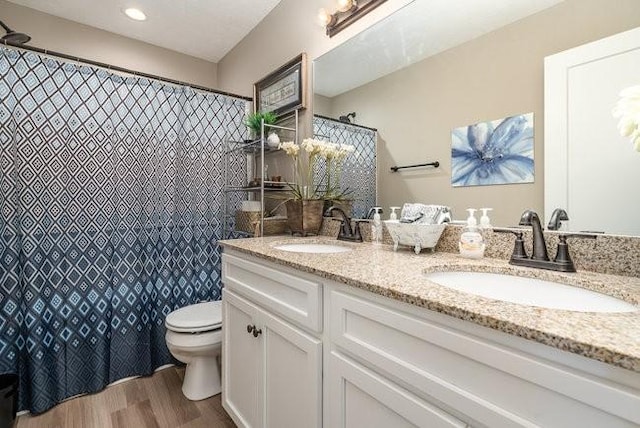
x=271, y=352
x=420, y=368
x=377, y=362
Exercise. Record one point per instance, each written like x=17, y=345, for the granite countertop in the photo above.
x=613, y=338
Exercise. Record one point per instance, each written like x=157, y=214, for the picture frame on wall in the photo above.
x=283, y=90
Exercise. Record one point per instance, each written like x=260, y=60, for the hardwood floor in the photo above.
x=150, y=402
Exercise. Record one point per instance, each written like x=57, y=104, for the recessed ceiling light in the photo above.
x=135, y=14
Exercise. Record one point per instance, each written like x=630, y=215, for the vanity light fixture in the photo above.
x=135, y=14
x=347, y=12
x=325, y=18
x=346, y=5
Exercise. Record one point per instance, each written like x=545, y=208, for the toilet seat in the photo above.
x=196, y=318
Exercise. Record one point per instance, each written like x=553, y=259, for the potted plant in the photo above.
x=306, y=204
x=254, y=121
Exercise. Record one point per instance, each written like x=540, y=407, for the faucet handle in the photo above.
x=357, y=233
x=345, y=227
x=562, y=255
x=518, y=248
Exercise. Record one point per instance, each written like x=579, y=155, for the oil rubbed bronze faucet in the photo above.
x=530, y=218
x=346, y=232
x=540, y=258
x=557, y=217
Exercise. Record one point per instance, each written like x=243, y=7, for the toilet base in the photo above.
x=202, y=379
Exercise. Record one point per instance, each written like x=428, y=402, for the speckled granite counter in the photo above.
x=612, y=338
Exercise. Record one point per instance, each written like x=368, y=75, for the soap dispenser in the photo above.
x=376, y=228
x=485, y=222
x=471, y=242
x=393, y=215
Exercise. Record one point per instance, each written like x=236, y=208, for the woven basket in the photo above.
x=249, y=221
x=245, y=220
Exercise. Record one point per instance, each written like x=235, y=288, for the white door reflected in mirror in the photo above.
x=590, y=169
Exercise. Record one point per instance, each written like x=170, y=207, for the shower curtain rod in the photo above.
x=122, y=69
x=345, y=123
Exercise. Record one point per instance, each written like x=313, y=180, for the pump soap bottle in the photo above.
x=376, y=229
x=471, y=243
x=485, y=221
x=393, y=215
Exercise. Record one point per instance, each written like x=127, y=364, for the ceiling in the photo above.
x=421, y=29
x=206, y=29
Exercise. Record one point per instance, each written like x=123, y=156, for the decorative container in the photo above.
x=245, y=220
x=414, y=235
x=249, y=221
x=304, y=216
x=273, y=140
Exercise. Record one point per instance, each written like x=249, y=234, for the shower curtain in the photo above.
x=359, y=169
x=110, y=200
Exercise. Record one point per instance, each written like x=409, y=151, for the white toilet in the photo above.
x=194, y=336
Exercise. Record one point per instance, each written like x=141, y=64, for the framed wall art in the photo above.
x=284, y=90
x=493, y=152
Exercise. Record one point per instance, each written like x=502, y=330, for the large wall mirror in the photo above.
x=434, y=66
x=589, y=167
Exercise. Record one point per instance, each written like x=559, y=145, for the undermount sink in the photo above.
x=530, y=291
x=313, y=248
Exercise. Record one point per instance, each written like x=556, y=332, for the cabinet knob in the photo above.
x=250, y=328
x=256, y=331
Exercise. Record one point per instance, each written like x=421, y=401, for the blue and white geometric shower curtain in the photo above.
x=110, y=200
x=359, y=168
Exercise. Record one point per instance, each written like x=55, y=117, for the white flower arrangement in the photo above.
x=628, y=111
x=290, y=148
x=333, y=154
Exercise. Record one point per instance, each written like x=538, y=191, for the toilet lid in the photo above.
x=194, y=318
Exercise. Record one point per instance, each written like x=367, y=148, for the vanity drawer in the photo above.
x=490, y=383
x=275, y=288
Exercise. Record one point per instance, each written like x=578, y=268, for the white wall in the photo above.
x=64, y=36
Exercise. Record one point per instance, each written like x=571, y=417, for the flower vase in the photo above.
x=273, y=140
x=304, y=216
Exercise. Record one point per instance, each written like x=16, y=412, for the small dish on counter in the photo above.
x=416, y=235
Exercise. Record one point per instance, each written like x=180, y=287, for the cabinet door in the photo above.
x=360, y=397
x=241, y=356
x=292, y=375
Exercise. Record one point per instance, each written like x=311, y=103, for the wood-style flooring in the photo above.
x=149, y=402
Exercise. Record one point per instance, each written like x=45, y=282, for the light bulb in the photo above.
x=324, y=17
x=135, y=14
x=345, y=5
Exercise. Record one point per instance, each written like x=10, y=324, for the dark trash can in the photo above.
x=8, y=399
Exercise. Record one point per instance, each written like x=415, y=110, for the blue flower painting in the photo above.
x=496, y=152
